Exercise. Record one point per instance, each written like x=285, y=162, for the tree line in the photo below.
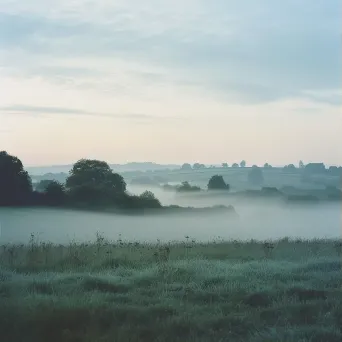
x=90, y=183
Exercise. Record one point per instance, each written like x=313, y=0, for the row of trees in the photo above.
x=90, y=183
x=199, y=166
x=311, y=168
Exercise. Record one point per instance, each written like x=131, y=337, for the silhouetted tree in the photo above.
x=15, y=183
x=243, y=163
x=186, y=166
x=217, y=183
x=146, y=200
x=150, y=198
x=315, y=168
x=42, y=185
x=198, y=166
x=94, y=182
x=55, y=193
x=289, y=168
x=301, y=164
x=255, y=176
x=235, y=165
x=335, y=171
x=95, y=173
x=225, y=165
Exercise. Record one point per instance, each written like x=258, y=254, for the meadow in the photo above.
x=276, y=291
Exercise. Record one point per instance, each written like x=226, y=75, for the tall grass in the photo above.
x=285, y=290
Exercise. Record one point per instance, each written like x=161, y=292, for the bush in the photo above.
x=186, y=187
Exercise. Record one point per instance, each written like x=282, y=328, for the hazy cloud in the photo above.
x=256, y=51
x=46, y=111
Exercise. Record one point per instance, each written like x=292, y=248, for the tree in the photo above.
x=267, y=166
x=15, y=183
x=148, y=195
x=42, y=185
x=93, y=181
x=235, y=165
x=186, y=166
x=95, y=173
x=255, y=176
x=149, y=200
x=243, y=163
x=55, y=193
x=217, y=183
x=224, y=165
x=301, y=164
x=289, y=168
x=198, y=166
x=315, y=168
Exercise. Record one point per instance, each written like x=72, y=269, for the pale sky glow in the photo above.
x=171, y=81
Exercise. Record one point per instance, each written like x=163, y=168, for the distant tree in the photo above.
x=301, y=164
x=186, y=166
x=289, y=168
x=315, y=168
x=266, y=166
x=42, y=185
x=255, y=176
x=243, y=163
x=15, y=183
x=217, y=183
x=186, y=187
x=335, y=171
x=235, y=165
x=254, y=166
x=55, y=193
x=198, y=166
x=225, y=165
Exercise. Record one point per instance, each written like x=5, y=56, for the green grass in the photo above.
x=283, y=291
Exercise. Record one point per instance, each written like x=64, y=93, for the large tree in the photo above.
x=15, y=183
x=94, y=180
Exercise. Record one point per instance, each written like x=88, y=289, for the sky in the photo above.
x=171, y=81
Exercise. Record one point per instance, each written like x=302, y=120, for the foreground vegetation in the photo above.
x=286, y=291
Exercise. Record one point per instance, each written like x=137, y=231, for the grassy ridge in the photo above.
x=219, y=291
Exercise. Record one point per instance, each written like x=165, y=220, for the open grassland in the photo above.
x=282, y=291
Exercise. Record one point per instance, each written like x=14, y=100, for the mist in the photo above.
x=257, y=219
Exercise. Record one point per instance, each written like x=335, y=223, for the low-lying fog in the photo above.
x=257, y=220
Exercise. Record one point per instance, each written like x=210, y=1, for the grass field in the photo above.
x=282, y=291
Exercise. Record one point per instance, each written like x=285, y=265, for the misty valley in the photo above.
x=260, y=220
x=192, y=253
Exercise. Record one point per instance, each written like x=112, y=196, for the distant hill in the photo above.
x=134, y=166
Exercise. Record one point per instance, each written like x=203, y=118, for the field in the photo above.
x=281, y=291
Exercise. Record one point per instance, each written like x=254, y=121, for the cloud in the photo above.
x=47, y=111
x=247, y=52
